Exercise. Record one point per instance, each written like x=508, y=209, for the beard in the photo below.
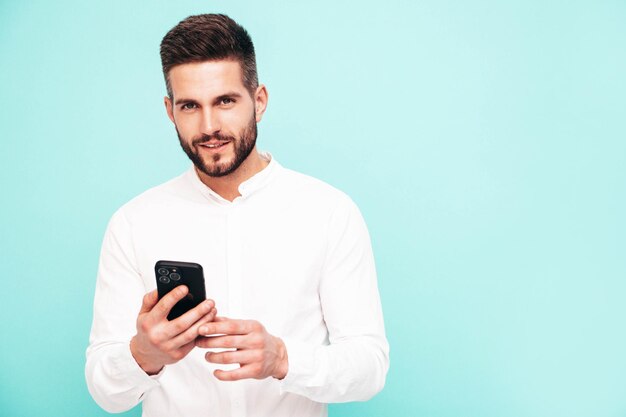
x=243, y=146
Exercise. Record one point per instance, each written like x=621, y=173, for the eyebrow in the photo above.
x=216, y=100
x=227, y=95
x=183, y=101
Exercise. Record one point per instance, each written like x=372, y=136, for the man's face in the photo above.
x=214, y=114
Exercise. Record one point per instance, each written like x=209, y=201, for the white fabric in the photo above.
x=291, y=252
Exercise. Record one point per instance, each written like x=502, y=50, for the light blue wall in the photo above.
x=484, y=141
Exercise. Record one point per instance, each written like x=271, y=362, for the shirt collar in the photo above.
x=246, y=188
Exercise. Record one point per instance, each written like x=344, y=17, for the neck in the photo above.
x=228, y=185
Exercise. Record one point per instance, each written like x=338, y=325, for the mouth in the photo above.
x=214, y=145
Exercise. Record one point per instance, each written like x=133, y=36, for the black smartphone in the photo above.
x=170, y=274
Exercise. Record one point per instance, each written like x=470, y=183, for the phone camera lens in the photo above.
x=164, y=279
x=163, y=271
x=175, y=276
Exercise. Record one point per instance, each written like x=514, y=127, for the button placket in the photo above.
x=235, y=291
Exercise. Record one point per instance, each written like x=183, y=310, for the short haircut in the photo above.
x=209, y=37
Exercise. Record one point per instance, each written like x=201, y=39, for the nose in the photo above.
x=210, y=123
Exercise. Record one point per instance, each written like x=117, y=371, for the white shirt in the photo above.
x=291, y=252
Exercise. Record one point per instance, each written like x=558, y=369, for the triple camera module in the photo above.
x=167, y=275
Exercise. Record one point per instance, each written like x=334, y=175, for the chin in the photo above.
x=210, y=170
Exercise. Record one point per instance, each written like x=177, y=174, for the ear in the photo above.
x=168, y=107
x=260, y=102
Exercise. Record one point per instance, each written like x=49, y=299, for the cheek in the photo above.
x=187, y=126
x=234, y=121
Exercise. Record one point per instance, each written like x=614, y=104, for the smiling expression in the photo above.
x=214, y=114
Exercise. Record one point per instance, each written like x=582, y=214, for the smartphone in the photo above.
x=171, y=274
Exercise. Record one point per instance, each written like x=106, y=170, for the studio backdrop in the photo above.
x=484, y=141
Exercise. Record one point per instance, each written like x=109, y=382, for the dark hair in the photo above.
x=209, y=37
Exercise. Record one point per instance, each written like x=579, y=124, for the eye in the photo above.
x=189, y=106
x=226, y=101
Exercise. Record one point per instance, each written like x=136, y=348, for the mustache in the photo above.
x=216, y=136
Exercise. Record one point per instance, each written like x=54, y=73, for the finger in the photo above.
x=230, y=341
x=149, y=301
x=187, y=320
x=189, y=336
x=235, y=356
x=244, y=372
x=209, y=317
x=229, y=326
x=165, y=304
x=194, y=315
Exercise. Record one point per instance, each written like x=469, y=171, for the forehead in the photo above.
x=206, y=79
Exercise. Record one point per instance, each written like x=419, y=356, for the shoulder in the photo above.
x=314, y=196
x=160, y=198
x=310, y=188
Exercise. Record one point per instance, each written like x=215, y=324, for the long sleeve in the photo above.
x=353, y=366
x=292, y=253
x=114, y=379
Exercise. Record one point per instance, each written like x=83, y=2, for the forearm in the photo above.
x=353, y=366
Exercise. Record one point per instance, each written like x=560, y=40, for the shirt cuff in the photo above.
x=304, y=369
x=126, y=367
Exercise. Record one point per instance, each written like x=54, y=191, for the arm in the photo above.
x=123, y=353
x=354, y=365
x=114, y=379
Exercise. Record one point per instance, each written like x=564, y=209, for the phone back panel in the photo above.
x=171, y=274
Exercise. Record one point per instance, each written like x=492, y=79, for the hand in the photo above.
x=160, y=342
x=259, y=354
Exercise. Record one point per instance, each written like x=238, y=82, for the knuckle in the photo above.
x=201, y=342
x=257, y=341
x=180, y=326
x=143, y=326
x=160, y=309
x=164, y=305
x=256, y=369
x=154, y=339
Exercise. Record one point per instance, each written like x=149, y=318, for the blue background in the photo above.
x=484, y=142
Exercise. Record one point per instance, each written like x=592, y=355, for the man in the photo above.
x=287, y=262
